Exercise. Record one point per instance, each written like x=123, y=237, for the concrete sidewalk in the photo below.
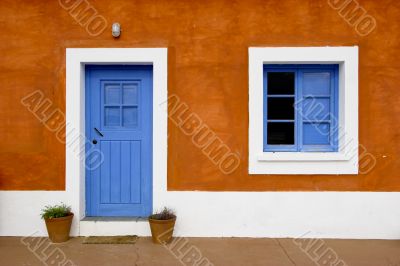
x=218, y=251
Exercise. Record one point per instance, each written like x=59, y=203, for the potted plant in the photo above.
x=58, y=220
x=162, y=225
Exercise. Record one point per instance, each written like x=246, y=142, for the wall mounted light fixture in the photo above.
x=116, y=30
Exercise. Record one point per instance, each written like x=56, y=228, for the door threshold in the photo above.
x=114, y=219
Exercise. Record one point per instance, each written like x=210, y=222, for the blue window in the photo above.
x=301, y=108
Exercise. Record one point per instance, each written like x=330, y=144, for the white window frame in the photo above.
x=345, y=161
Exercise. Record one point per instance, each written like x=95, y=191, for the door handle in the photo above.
x=98, y=132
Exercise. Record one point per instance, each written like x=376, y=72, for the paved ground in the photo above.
x=186, y=251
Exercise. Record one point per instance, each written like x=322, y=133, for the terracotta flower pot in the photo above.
x=162, y=230
x=58, y=228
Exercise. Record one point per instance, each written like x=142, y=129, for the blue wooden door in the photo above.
x=119, y=125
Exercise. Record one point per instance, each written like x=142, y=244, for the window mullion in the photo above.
x=299, y=110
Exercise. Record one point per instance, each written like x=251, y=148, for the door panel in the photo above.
x=119, y=118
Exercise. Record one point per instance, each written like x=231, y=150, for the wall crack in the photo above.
x=285, y=252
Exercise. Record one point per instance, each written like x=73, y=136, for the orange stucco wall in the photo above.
x=208, y=69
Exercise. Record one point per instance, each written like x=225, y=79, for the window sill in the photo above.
x=303, y=156
x=304, y=163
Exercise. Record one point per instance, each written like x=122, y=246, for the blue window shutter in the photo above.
x=318, y=109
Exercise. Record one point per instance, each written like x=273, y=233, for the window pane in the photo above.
x=130, y=116
x=111, y=94
x=129, y=94
x=280, y=108
x=316, y=84
x=280, y=133
x=316, y=133
x=316, y=109
x=111, y=116
x=280, y=83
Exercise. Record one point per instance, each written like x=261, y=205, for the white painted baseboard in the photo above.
x=356, y=215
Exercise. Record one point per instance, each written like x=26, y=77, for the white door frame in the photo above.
x=76, y=59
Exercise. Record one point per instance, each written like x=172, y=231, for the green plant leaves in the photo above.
x=55, y=211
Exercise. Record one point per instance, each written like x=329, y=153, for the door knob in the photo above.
x=94, y=141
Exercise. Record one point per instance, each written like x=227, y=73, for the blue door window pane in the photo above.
x=112, y=116
x=121, y=104
x=129, y=116
x=130, y=94
x=112, y=94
